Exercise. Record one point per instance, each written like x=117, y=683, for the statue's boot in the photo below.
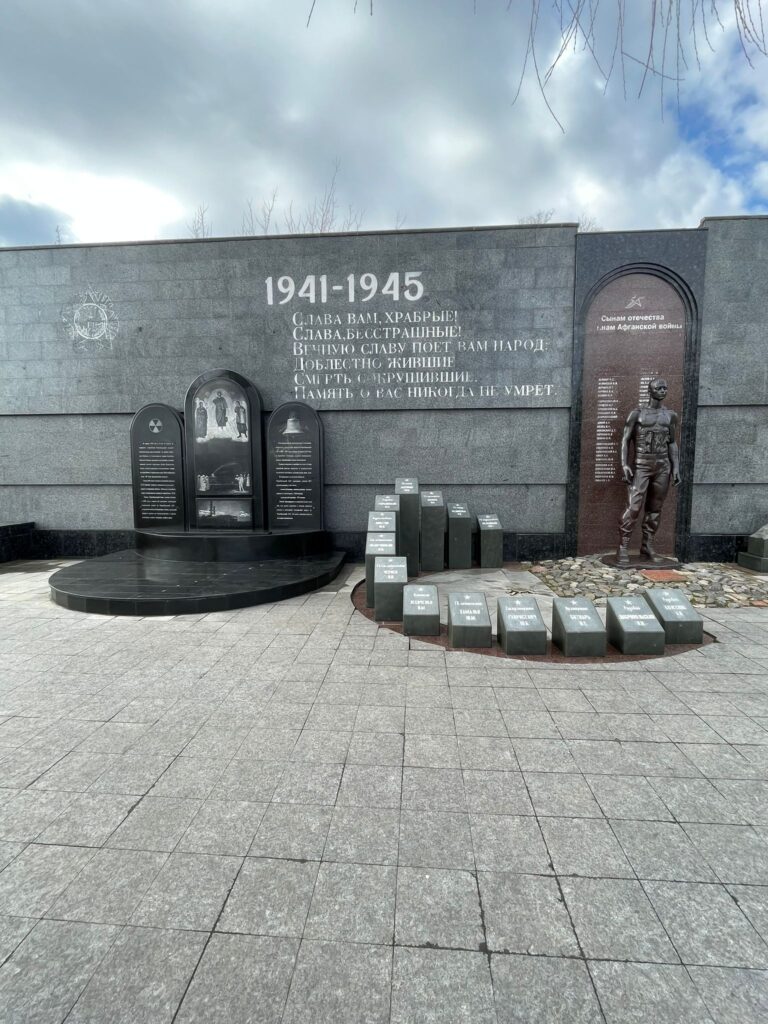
x=622, y=553
x=647, y=549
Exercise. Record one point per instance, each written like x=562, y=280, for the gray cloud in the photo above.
x=216, y=103
x=24, y=223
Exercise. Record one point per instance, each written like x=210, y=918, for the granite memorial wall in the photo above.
x=461, y=357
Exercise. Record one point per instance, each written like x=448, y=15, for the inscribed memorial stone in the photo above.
x=390, y=576
x=410, y=508
x=459, y=536
x=632, y=627
x=432, y=531
x=682, y=623
x=491, y=542
x=519, y=626
x=577, y=629
x=376, y=544
x=469, y=624
x=421, y=610
x=391, y=503
x=157, y=461
x=294, y=468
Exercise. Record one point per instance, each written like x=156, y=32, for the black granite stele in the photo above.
x=382, y=545
x=421, y=610
x=681, y=622
x=294, y=438
x=157, y=468
x=469, y=624
x=433, y=526
x=16, y=541
x=459, y=536
x=129, y=583
x=382, y=522
x=491, y=542
x=407, y=489
x=577, y=628
x=632, y=627
x=519, y=625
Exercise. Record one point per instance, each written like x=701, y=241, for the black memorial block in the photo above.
x=577, y=629
x=756, y=555
x=459, y=536
x=157, y=468
x=391, y=503
x=469, y=624
x=421, y=610
x=222, y=421
x=632, y=627
x=382, y=522
x=294, y=468
x=407, y=487
x=433, y=525
x=491, y=542
x=390, y=576
x=376, y=544
x=519, y=625
x=682, y=623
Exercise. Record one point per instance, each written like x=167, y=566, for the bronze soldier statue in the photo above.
x=652, y=431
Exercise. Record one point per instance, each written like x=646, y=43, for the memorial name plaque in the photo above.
x=491, y=542
x=519, y=625
x=577, y=629
x=459, y=536
x=294, y=468
x=433, y=526
x=391, y=503
x=632, y=627
x=410, y=516
x=157, y=461
x=376, y=544
x=469, y=624
x=382, y=522
x=421, y=610
x=682, y=623
x=390, y=576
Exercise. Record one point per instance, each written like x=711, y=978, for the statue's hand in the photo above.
x=628, y=474
x=676, y=478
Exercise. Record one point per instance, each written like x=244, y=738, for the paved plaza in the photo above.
x=288, y=813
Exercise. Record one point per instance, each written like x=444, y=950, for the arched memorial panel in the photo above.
x=295, y=468
x=157, y=468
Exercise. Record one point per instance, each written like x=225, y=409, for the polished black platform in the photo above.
x=233, y=546
x=134, y=583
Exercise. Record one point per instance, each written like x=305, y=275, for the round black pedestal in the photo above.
x=234, y=546
x=638, y=561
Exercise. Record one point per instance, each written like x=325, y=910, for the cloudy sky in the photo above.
x=120, y=118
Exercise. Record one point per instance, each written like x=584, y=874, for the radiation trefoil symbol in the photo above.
x=155, y=426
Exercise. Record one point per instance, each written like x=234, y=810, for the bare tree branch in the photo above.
x=200, y=226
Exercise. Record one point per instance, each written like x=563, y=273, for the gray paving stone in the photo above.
x=492, y=753
x=753, y=901
x=628, y=797
x=309, y=784
x=530, y=724
x=543, y=755
x=32, y=882
x=585, y=846
x=433, y=789
x=268, y=744
x=636, y=993
x=49, y=970
x=190, y=777
x=525, y=914
x=340, y=983
x=382, y=748
x=662, y=850
x=270, y=897
x=131, y=774
x=8, y=852
x=736, y=853
x=364, y=835
x=142, y=978
x=242, y=979
x=614, y=920
x=75, y=772
x=543, y=990
x=439, y=908
x=156, y=823
x=109, y=887
x=225, y=827
x=376, y=718
x=250, y=780
x=353, y=903
x=321, y=746
x=496, y=793
x=706, y=925
x=733, y=996
x=441, y=986
x=431, y=751
x=188, y=892
x=295, y=831
x=370, y=786
x=24, y=816
x=509, y=843
x=12, y=931
x=88, y=820
x=554, y=794
x=696, y=800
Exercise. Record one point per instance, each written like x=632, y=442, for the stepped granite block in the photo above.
x=459, y=536
x=433, y=527
x=469, y=624
x=390, y=576
x=577, y=629
x=519, y=625
x=756, y=555
x=407, y=489
x=421, y=610
x=391, y=503
x=376, y=544
x=632, y=627
x=491, y=542
x=682, y=623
